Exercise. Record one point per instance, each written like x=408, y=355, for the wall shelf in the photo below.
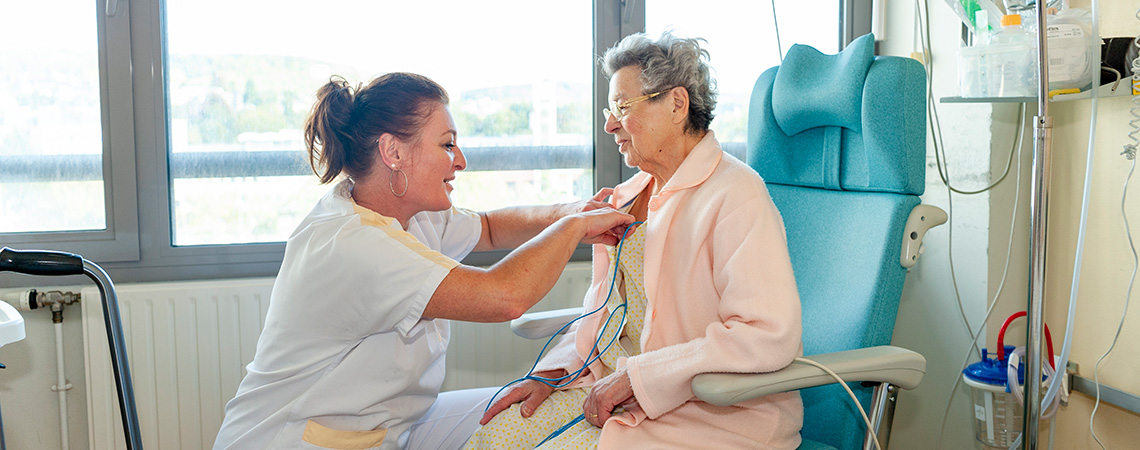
x=1123, y=89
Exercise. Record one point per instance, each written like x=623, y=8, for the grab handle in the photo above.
x=40, y=262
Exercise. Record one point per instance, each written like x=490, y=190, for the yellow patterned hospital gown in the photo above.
x=509, y=430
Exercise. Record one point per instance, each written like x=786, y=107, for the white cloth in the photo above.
x=344, y=359
x=450, y=421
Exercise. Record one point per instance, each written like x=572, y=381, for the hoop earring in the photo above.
x=392, y=185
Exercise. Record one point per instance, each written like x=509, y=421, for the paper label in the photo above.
x=1065, y=31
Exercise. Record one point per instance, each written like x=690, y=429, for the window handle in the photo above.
x=112, y=7
x=626, y=13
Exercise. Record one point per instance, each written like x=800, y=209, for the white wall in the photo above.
x=1108, y=260
x=928, y=318
x=30, y=408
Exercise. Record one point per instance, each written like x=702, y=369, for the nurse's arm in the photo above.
x=509, y=288
x=511, y=227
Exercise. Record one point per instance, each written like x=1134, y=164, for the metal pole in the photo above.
x=115, y=342
x=882, y=411
x=1039, y=209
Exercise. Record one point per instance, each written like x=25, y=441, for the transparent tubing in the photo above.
x=1055, y=383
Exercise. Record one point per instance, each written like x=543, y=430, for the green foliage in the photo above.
x=511, y=120
x=574, y=118
x=233, y=94
x=213, y=122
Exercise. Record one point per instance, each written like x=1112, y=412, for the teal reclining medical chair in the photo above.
x=841, y=142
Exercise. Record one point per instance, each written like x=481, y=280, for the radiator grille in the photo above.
x=188, y=345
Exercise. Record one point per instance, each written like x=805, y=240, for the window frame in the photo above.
x=137, y=244
x=119, y=241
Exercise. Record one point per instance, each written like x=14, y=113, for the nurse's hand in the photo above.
x=607, y=394
x=604, y=226
x=598, y=201
x=530, y=392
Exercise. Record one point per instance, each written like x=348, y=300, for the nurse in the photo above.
x=352, y=352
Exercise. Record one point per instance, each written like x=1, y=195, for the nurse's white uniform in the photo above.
x=345, y=360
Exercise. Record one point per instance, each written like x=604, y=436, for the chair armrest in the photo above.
x=884, y=364
x=543, y=324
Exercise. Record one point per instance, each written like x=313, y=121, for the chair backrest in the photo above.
x=841, y=142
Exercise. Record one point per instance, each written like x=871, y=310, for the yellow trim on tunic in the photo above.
x=326, y=437
x=384, y=223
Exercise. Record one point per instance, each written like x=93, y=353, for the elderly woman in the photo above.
x=705, y=285
x=352, y=352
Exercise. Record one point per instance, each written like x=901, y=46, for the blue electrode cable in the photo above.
x=573, y=376
x=562, y=429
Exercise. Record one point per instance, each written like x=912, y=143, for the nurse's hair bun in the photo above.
x=346, y=122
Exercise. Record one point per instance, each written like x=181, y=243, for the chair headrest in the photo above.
x=850, y=122
x=813, y=89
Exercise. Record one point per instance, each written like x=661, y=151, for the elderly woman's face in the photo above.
x=645, y=125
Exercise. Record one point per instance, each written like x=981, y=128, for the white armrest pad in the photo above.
x=543, y=324
x=886, y=364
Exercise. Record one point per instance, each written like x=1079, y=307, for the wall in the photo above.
x=1108, y=260
x=928, y=321
x=30, y=408
x=951, y=277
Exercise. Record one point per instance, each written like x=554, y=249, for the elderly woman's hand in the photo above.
x=609, y=393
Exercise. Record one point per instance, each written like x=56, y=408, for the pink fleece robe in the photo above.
x=721, y=298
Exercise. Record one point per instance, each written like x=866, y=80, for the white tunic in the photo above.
x=345, y=359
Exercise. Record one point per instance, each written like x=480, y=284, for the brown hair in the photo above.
x=345, y=123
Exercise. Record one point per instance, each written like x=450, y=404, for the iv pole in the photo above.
x=1039, y=208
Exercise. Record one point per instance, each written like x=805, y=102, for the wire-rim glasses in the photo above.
x=618, y=109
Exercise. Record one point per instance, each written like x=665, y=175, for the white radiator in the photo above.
x=188, y=345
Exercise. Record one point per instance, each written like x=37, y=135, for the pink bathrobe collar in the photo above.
x=694, y=170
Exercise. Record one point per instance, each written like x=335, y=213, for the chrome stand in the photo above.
x=1039, y=208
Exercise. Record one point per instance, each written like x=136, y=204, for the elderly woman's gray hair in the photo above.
x=669, y=62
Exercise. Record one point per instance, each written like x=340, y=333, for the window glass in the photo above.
x=240, y=85
x=742, y=44
x=51, y=134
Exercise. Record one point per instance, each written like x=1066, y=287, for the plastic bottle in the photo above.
x=1010, y=60
x=1010, y=31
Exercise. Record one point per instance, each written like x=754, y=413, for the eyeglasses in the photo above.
x=618, y=109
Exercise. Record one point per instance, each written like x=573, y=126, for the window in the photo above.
x=49, y=112
x=56, y=81
x=161, y=138
x=240, y=89
x=742, y=42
